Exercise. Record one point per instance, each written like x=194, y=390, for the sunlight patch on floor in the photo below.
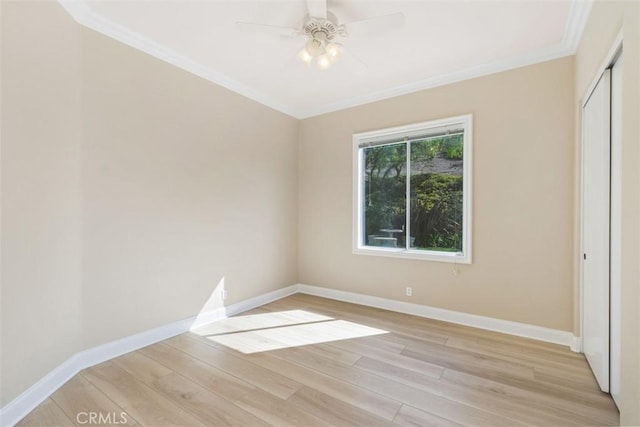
x=269, y=333
x=260, y=321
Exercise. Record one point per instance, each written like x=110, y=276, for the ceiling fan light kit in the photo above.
x=320, y=46
x=325, y=54
x=321, y=28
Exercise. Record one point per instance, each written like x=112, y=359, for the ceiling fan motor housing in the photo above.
x=323, y=29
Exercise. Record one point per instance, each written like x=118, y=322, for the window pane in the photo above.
x=384, y=198
x=436, y=194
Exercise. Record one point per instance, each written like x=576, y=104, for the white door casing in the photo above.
x=616, y=227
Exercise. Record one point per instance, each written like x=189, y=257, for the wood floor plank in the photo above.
x=579, y=383
x=208, y=407
x=325, y=370
x=334, y=411
x=147, y=406
x=142, y=367
x=398, y=373
x=583, y=413
x=498, y=339
x=342, y=355
x=209, y=377
x=518, y=354
x=408, y=416
x=269, y=381
x=47, y=414
x=79, y=398
x=466, y=361
x=520, y=345
x=278, y=412
x=367, y=345
x=398, y=360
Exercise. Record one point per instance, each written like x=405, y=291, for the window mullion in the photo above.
x=407, y=227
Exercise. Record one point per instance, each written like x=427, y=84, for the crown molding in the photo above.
x=468, y=73
x=82, y=14
x=578, y=16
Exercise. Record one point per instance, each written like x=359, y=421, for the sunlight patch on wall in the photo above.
x=213, y=309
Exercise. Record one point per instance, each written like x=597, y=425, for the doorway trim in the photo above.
x=614, y=51
x=609, y=60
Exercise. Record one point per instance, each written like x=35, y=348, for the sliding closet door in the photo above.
x=595, y=228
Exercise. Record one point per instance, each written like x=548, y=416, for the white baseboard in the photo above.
x=18, y=408
x=576, y=344
x=45, y=387
x=489, y=323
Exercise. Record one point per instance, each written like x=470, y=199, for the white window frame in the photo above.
x=395, y=134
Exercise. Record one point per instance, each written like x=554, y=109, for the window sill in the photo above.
x=453, y=257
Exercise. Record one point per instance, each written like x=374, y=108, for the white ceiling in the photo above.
x=441, y=42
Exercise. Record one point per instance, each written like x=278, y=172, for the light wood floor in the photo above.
x=386, y=369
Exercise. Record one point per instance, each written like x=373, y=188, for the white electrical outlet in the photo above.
x=224, y=294
x=409, y=291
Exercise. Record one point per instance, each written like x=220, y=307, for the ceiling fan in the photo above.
x=322, y=28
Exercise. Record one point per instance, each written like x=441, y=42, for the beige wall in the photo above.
x=41, y=193
x=606, y=20
x=185, y=183
x=522, y=201
x=130, y=189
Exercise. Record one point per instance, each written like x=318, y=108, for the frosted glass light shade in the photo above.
x=334, y=51
x=305, y=57
x=314, y=47
x=324, y=61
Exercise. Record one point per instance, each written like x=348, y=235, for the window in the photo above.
x=412, y=191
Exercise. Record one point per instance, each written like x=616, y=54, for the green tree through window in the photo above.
x=435, y=188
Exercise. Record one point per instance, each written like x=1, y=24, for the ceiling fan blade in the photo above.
x=375, y=25
x=353, y=64
x=317, y=8
x=252, y=27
